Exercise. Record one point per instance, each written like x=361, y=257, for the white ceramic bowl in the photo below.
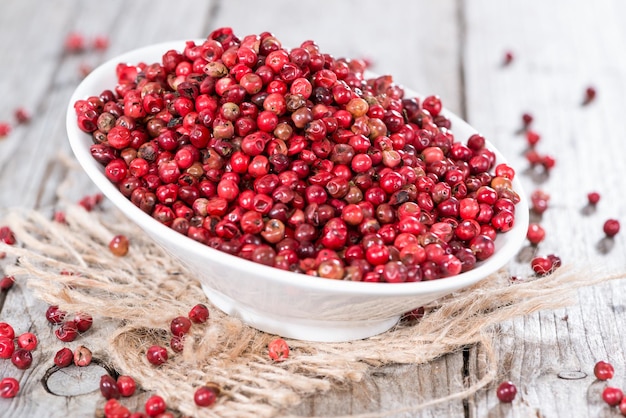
x=272, y=300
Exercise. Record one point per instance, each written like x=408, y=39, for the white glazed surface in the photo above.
x=272, y=300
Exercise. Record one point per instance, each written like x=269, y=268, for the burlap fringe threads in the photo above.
x=141, y=292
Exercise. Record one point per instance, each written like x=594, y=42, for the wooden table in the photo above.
x=453, y=48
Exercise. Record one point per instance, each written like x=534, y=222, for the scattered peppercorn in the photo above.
x=508, y=58
x=155, y=405
x=532, y=138
x=603, y=370
x=156, y=355
x=527, y=119
x=535, y=233
x=590, y=95
x=611, y=227
x=506, y=392
x=119, y=245
x=21, y=115
x=5, y=129
x=199, y=314
x=612, y=395
x=206, y=395
x=101, y=42
x=6, y=282
x=278, y=350
x=593, y=198
x=9, y=387
x=74, y=43
x=63, y=357
x=126, y=385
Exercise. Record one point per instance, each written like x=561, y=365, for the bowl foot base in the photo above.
x=299, y=328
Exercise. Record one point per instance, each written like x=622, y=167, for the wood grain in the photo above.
x=131, y=25
x=453, y=48
x=559, y=51
x=41, y=78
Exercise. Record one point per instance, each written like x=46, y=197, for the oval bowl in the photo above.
x=272, y=300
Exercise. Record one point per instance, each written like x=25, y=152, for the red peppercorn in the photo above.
x=414, y=315
x=432, y=104
x=74, y=42
x=278, y=349
x=508, y=58
x=83, y=321
x=67, y=332
x=7, y=236
x=6, y=330
x=612, y=395
x=199, y=314
x=5, y=129
x=101, y=42
x=535, y=233
x=590, y=95
x=482, y=246
x=90, y=202
x=622, y=406
x=177, y=344
x=180, y=326
x=6, y=282
x=108, y=387
x=82, y=356
x=22, y=359
x=112, y=407
x=548, y=162
x=156, y=355
x=593, y=198
x=119, y=245
x=9, y=387
x=206, y=395
x=527, y=119
x=120, y=411
x=506, y=171
x=543, y=265
x=126, y=385
x=7, y=347
x=21, y=115
x=539, y=201
x=603, y=370
x=532, y=138
x=155, y=405
x=27, y=341
x=63, y=357
x=611, y=227
x=54, y=315
x=506, y=392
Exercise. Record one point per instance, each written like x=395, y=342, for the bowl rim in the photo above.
x=80, y=143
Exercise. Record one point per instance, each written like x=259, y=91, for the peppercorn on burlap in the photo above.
x=70, y=265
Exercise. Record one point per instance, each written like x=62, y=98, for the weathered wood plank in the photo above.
x=395, y=37
x=559, y=50
x=421, y=53
x=41, y=78
x=415, y=41
x=46, y=77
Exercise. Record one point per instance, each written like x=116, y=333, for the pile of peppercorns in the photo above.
x=293, y=159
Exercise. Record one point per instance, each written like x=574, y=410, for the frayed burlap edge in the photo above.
x=70, y=265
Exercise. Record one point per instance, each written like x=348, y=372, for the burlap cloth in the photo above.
x=144, y=290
